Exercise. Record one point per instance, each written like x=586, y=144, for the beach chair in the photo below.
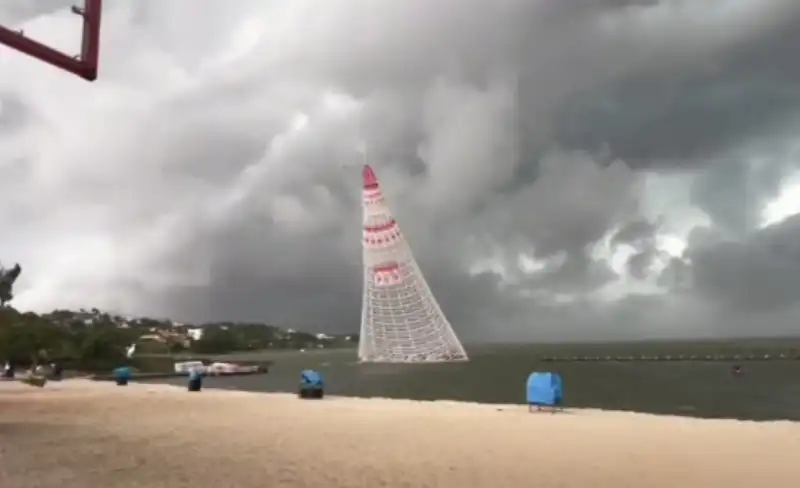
x=195, y=382
x=122, y=375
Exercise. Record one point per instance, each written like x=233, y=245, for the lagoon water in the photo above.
x=496, y=374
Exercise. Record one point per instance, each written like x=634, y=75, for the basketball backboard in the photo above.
x=85, y=63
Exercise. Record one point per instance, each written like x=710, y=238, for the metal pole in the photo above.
x=84, y=65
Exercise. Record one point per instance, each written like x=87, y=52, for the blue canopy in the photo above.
x=309, y=377
x=544, y=389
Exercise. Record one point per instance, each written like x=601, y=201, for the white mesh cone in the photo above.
x=401, y=322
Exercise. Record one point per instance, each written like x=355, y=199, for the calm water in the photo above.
x=497, y=374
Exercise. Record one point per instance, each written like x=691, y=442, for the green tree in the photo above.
x=216, y=340
x=101, y=349
x=29, y=339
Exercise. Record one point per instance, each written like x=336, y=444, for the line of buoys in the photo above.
x=677, y=357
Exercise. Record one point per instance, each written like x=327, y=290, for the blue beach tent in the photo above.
x=544, y=389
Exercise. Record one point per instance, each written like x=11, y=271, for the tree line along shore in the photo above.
x=92, y=341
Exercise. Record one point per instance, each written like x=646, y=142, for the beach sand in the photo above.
x=79, y=434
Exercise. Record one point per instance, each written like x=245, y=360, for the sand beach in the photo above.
x=77, y=434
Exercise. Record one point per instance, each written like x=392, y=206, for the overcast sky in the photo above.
x=563, y=169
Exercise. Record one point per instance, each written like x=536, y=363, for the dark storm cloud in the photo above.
x=640, y=263
x=640, y=235
x=570, y=205
x=228, y=187
x=570, y=184
x=685, y=116
x=735, y=187
x=17, y=10
x=13, y=113
x=637, y=232
x=760, y=273
x=750, y=285
x=573, y=274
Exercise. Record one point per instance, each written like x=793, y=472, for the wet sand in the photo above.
x=80, y=434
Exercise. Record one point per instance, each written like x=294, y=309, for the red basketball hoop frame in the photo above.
x=83, y=65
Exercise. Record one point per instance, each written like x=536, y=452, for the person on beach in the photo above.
x=8, y=370
x=56, y=370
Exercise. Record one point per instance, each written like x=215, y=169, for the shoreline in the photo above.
x=687, y=411
x=80, y=433
x=88, y=384
x=567, y=410
x=89, y=387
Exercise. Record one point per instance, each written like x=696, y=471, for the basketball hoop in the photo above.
x=83, y=65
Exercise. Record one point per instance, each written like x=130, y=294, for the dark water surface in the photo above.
x=496, y=374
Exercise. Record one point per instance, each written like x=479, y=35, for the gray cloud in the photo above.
x=525, y=147
x=689, y=114
x=759, y=273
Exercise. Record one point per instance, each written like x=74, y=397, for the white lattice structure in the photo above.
x=401, y=322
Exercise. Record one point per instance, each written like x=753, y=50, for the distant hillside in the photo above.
x=92, y=339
